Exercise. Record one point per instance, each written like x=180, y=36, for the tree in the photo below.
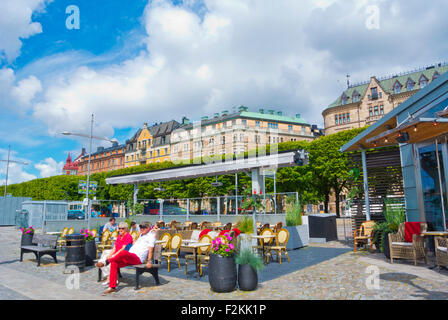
x=330, y=166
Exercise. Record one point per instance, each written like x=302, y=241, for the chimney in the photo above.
x=271, y=111
x=216, y=115
x=279, y=113
x=261, y=111
x=99, y=149
x=225, y=112
x=185, y=120
x=204, y=118
x=298, y=115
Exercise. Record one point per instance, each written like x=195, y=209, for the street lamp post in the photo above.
x=7, y=167
x=91, y=137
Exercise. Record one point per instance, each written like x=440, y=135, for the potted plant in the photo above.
x=27, y=236
x=90, y=246
x=246, y=225
x=394, y=214
x=298, y=232
x=222, y=274
x=248, y=266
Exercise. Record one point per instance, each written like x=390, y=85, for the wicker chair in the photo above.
x=266, y=242
x=193, y=226
x=202, y=252
x=399, y=249
x=364, y=234
x=281, y=240
x=278, y=226
x=441, y=248
x=61, y=241
x=228, y=226
x=134, y=235
x=104, y=244
x=166, y=237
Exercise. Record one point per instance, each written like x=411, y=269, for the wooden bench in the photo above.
x=141, y=268
x=44, y=244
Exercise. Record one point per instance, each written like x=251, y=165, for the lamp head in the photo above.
x=66, y=133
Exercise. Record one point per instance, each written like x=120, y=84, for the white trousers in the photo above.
x=105, y=269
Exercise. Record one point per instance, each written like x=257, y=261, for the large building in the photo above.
x=71, y=166
x=235, y=133
x=365, y=103
x=150, y=144
x=104, y=159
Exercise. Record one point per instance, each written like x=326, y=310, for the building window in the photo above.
x=410, y=84
x=185, y=146
x=158, y=153
x=376, y=110
x=272, y=125
x=150, y=154
x=235, y=137
x=397, y=87
x=211, y=141
x=340, y=118
x=290, y=127
x=343, y=118
x=356, y=96
x=343, y=99
x=223, y=140
x=374, y=93
x=348, y=117
x=166, y=151
x=149, y=142
x=241, y=137
x=139, y=144
x=257, y=124
x=244, y=122
x=163, y=140
x=423, y=82
x=336, y=119
x=381, y=109
x=370, y=112
x=435, y=76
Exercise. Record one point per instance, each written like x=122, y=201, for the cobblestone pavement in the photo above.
x=320, y=271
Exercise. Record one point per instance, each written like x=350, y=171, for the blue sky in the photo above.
x=150, y=61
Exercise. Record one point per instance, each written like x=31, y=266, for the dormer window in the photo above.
x=410, y=84
x=397, y=87
x=435, y=76
x=423, y=81
x=344, y=99
x=374, y=92
x=356, y=96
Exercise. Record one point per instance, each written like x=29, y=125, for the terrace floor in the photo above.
x=320, y=271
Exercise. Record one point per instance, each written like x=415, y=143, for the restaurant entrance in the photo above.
x=432, y=165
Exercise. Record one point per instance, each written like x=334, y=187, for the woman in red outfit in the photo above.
x=123, y=242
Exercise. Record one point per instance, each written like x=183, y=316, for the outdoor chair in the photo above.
x=202, y=251
x=166, y=237
x=134, y=235
x=263, y=243
x=94, y=233
x=61, y=242
x=278, y=226
x=364, y=234
x=441, y=248
x=204, y=225
x=281, y=240
x=265, y=226
x=104, y=244
x=172, y=224
x=193, y=226
x=228, y=226
x=173, y=250
x=71, y=230
x=399, y=249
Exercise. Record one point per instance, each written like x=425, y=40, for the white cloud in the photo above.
x=16, y=24
x=16, y=172
x=49, y=167
x=26, y=90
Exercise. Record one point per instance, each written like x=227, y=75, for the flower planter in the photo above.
x=90, y=252
x=222, y=274
x=27, y=239
x=298, y=237
x=247, y=277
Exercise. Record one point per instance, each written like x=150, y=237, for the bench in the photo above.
x=141, y=268
x=44, y=244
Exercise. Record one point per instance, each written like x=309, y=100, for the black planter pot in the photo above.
x=27, y=239
x=90, y=252
x=247, y=278
x=386, y=248
x=222, y=274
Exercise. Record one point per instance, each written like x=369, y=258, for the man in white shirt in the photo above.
x=141, y=251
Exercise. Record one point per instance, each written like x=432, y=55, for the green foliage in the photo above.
x=293, y=214
x=394, y=214
x=246, y=256
x=245, y=224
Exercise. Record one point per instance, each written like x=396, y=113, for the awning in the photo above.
x=413, y=131
x=280, y=160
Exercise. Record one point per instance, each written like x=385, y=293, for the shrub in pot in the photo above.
x=222, y=274
x=248, y=266
x=90, y=246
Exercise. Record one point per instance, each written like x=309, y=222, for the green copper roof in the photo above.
x=272, y=117
x=388, y=84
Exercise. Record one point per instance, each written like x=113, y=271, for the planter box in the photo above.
x=298, y=237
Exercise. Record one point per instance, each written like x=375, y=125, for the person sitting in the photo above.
x=134, y=227
x=123, y=242
x=141, y=251
x=111, y=225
